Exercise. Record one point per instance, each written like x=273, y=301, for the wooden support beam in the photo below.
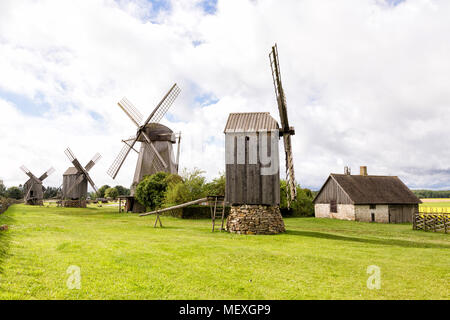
x=190, y=203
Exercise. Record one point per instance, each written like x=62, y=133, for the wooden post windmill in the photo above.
x=252, y=166
x=156, y=150
x=75, y=181
x=33, y=189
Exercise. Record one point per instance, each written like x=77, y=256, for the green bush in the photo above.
x=14, y=193
x=111, y=193
x=151, y=191
x=191, y=187
x=302, y=206
x=101, y=191
x=216, y=187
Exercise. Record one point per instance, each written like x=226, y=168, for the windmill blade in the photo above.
x=279, y=92
x=47, y=173
x=91, y=182
x=93, y=161
x=69, y=154
x=285, y=129
x=29, y=174
x=120, y=159
x=131, y=111
x=290, y=175
x=152, y=147
x=29, y=190
x=178, y=150
x=74, y=160
x=164, y=105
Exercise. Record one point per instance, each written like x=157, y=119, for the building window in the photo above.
x=373, y=206
x=372, y=217
x=333, y=206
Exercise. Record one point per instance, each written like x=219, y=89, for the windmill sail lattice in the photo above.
x=285, y=129
x=142, y=134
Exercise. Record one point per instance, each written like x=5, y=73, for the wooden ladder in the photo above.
x=213, y=208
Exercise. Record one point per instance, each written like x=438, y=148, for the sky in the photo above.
x=366, y=82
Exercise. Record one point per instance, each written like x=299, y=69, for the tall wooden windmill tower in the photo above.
x=156, y=150
x=33, y=189
x=252, y=165
x=75, y=181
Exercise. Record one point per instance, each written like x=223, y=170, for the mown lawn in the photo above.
x=122, y=256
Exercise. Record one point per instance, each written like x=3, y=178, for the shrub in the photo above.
x=101, y=191
x=302, y=206
x=216, y=187
x=150, y=192
x=111, y=193
x=191, y=187
x=14, y=193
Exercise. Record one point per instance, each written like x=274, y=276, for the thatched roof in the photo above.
x=375, y=189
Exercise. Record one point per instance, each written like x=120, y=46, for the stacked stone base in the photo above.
x=74, y=203
x=255, y=219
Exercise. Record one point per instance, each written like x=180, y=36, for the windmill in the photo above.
x=156, y=152
x=76, y=179
x=285, y=129
x=33, y=189
x=252, y=165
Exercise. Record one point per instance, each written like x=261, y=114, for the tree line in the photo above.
x=162, y=190
x=17, y=192
x=432, y=193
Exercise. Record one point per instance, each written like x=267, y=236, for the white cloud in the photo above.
x=366, y=82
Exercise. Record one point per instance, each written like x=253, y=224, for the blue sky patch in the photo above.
x=35, y=107
x=209, y=6
x=206, y=99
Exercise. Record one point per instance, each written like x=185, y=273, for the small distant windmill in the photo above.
x=76, y=179
x=285, y=129
x=33, y=189
x=156, y=151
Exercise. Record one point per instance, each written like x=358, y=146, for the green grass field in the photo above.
x=122, y=256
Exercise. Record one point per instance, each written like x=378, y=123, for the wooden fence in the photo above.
x=432, y=221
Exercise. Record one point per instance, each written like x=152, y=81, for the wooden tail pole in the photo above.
x=190, y=203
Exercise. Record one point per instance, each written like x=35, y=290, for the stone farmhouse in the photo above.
x=366, y=198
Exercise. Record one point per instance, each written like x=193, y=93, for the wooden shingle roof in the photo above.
x=250, y=122
x=374, y=189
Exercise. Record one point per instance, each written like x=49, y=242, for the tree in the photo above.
x=123, y=191
x=111, y=193
x=101, y=191
x=303, y=205
x=14, y=193
x=150, y=192
x=216, y=187
x=191, y=187
x=2, y=190
x=50, y=192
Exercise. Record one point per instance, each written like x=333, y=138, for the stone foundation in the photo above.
x=255, y=219
x=74, y=203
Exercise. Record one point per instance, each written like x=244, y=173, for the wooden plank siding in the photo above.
x=244, y=182
x=332, y=191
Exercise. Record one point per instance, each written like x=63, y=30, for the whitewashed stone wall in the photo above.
x=364, y=213
x=322, y=210
x=344, y=211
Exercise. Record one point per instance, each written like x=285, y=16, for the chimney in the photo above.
x=347, y=171
x=363, y=171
